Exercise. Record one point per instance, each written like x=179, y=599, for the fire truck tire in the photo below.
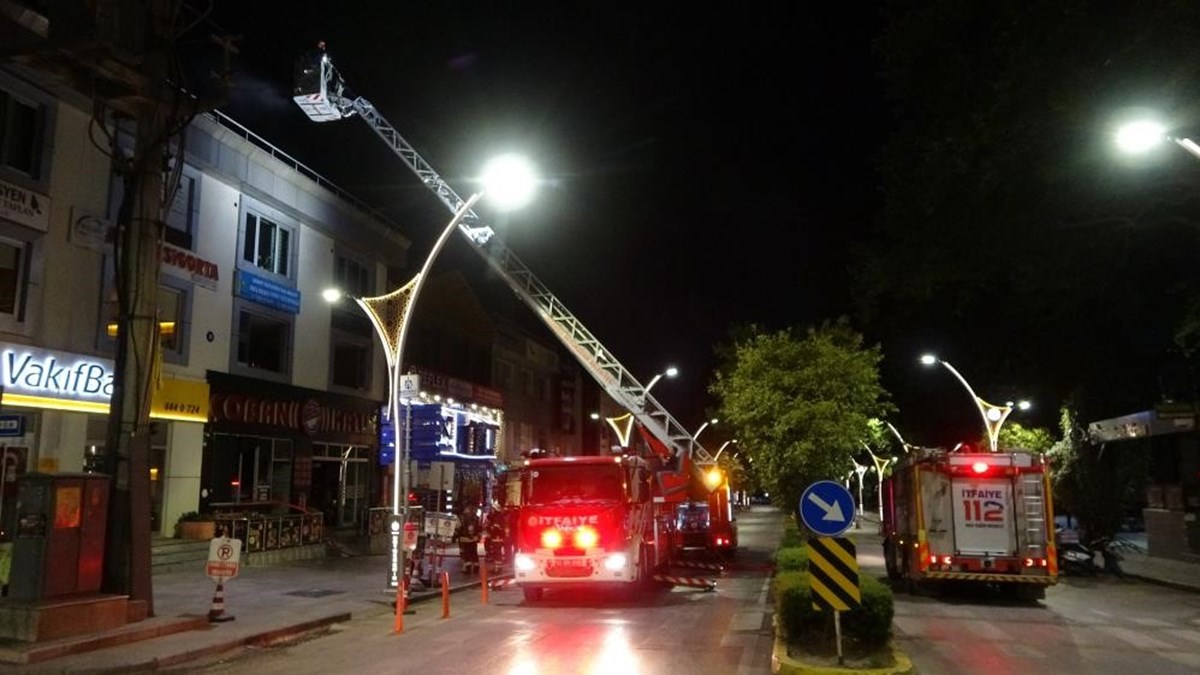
x=889, y=559
x=532, y=593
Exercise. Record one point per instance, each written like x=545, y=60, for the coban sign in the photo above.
x=41, y=372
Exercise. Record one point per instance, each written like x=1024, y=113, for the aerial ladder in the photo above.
x=321, y=93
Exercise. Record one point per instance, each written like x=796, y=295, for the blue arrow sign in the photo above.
x=827, y=508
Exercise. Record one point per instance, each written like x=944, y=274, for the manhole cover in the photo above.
x=314, y=593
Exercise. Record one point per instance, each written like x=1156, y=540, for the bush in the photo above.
x=791, y=536
x=869, y=625
x=792, y=559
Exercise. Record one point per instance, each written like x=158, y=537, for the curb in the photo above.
x=1167, y=583
x=782, y=664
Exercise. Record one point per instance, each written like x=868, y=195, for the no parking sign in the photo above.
x=224, y=558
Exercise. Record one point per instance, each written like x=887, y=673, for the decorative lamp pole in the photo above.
x=993, y=415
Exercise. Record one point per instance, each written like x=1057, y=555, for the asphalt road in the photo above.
x=681, y=630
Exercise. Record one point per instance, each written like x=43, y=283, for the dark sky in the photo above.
x=706, y=167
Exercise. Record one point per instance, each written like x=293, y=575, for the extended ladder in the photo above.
x=320, y=93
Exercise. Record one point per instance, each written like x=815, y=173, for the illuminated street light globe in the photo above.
x=994, y=414
x=1138, y=137
x=509, y=181
x=1024, y=405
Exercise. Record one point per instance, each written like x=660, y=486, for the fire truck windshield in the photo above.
x=553, y=484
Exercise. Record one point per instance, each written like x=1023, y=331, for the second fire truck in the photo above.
x=974, y=518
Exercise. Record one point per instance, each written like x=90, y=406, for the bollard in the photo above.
x=445, y=595
x=401, y=602
x=483, y=586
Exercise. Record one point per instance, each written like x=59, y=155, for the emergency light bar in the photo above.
x=1018, y=459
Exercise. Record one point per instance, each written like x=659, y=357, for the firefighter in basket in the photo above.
x=467, y=535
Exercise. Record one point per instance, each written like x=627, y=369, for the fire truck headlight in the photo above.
x=524, y=562
x=615, y=562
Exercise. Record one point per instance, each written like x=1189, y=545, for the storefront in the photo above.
x=54, y=418
x=268, y=442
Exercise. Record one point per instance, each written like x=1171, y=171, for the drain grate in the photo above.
x=314, y=593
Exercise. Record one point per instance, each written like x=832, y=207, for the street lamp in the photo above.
x=722, y=448
x=508, y=181
x=1144, y=135
x=671, y=371
x=993, y=415
x=703, y=427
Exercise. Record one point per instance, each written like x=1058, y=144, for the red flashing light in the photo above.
x=980, y=467
x=235, y=482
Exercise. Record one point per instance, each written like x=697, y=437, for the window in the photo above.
x=12, y=256
x=182, y=214
x=21, y=129
x=172, y=312
x=352, y=276
x=266, y=244
x=263, y=342
x=174, y=309
x=351, y=364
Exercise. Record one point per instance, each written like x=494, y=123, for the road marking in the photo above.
x=1185, y=634
x=747, y=620
x=1139, y=640
x=1152, y=623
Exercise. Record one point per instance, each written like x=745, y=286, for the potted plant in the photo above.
x=193, y=525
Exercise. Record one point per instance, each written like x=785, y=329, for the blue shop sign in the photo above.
x=12, y=425
x=266, y=292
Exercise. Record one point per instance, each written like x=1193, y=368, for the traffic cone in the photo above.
x=217, y=613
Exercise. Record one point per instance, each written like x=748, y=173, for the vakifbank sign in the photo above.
x=50, y=374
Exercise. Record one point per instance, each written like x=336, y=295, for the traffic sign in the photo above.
x=827, y=508
x=224, y=558
x=833, y=573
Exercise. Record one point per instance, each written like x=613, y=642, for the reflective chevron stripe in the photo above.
x=694, y=582
x=833, y=573
x=1005, y=578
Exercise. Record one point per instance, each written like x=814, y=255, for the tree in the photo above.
x=800, y=404
x=1097, y=485
x=1013, y=436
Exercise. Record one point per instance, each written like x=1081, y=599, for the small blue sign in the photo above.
x=266, y=292
x=827, y=508
x=12, y=425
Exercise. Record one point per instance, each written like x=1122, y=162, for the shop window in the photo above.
x=22, y=125
x=267, y=245
x=174, y=313
x=263, y=342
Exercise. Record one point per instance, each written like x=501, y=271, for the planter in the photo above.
x=196, y=529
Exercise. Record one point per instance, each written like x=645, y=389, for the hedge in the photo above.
x=869, y=624
x=792, y=559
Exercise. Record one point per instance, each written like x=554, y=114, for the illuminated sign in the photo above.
x=41, y=372
x=184, y=263
x=266, y=292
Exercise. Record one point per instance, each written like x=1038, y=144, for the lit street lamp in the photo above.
x=722, y=448
x=993, y=415
x=702, y=428
x=1145, y=135
x=508, y=181
x=671, y=371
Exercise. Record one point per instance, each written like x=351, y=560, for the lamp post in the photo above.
x=703, y=427
x=722, y=448
x=671, y=371
x=509, y=182
x=1143, y=135
x=993, y=415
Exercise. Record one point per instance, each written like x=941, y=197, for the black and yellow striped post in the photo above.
x=833, y=575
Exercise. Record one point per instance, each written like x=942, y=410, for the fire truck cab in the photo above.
x=585, y=522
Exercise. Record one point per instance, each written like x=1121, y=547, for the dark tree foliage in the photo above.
x=1011, y=224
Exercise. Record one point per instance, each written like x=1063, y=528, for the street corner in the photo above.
x=783, y=664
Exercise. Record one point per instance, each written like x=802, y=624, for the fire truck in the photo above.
x=706, y=525
x=974, y=518
x=586, y=521
x=675, y=458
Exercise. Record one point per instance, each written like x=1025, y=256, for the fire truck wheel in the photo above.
x=889, y=559
x=532, y=593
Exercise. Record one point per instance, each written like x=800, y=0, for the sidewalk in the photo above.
x=267, y=604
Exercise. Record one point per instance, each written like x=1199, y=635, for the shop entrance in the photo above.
x=246, y=469
x=339, y=481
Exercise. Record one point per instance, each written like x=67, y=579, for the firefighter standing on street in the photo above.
x=467, y=535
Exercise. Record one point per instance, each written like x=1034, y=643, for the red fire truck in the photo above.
x=587, y=521
x=981, y=518
x=707, y=525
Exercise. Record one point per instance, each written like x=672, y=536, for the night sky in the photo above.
x=706, y=167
